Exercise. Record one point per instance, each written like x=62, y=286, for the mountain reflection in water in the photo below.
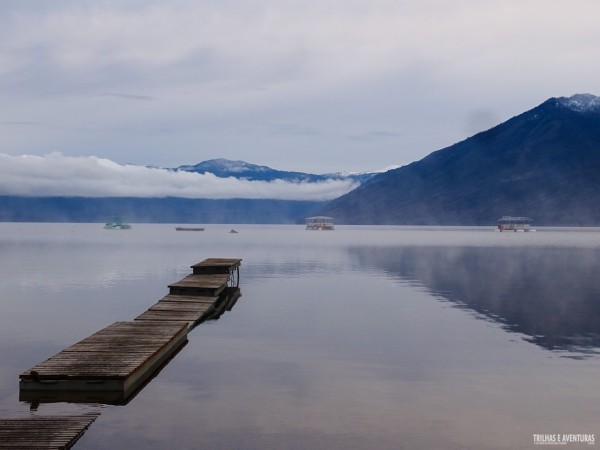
x=551, y=295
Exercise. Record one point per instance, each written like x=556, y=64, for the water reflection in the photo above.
x=227, y=300
x=551, y=295
x=338, y=342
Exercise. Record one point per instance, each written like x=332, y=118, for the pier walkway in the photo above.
x=43, y=432
x=117, y=361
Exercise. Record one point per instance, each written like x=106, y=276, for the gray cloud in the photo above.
x=373, y=135
x=21, y=123
x=335, y=68
x=291, y=129
x=126, y=96
x=59, y=175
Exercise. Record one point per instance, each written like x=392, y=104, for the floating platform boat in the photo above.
x=510, y=223
x=319, y=223
x=189, y=229
x=117, y=225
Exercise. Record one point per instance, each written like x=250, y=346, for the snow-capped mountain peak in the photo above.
x=225, y=168
x=345, y=174
x=224, y=165
x=581, y=102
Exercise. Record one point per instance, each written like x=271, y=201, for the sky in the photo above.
x=312, y=86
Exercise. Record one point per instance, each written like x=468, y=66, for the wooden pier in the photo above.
x=115, y=363
x=35, y=398
x=217, y=265
x=120, y=357
x=179, y=308
x=116, y=358
x=200, y=285
x=43, y=432
x=200, y=296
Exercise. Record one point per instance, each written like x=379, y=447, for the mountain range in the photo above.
x=224, y=168
x=543, y=164
x=180, y=210
x=154, y=210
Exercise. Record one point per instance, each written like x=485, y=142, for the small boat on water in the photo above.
x=117, y=226
x=509, y=223
x=319, y=223
x=189, y=229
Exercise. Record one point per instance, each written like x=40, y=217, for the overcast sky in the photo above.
x=314, y=86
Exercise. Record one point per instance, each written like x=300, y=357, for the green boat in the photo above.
x=117, y=226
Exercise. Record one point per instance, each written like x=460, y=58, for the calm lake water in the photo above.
x=360, y=338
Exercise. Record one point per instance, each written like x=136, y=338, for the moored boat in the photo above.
x=117, y=225
x=319, y=223
x=509, y=223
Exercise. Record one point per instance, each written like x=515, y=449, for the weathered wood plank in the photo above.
x=58, y=432
x=202, y=285
x=189, y=318
x=176, y=306
x=137, y=346
x=218, y=262
x=216, y=265
x=110, y=353
x=191, y=298
x=202, y=281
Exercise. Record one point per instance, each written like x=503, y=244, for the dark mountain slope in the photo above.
x=159, y=210
x=544, y=163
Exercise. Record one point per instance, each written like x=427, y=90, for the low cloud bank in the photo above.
x=58, y=175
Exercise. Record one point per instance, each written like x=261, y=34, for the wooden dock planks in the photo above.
x=216, y=265
x=43, y=432
x=200, y=285
x=114, y=362
x=116, y=358
x=182, y=308
x=120, y=356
